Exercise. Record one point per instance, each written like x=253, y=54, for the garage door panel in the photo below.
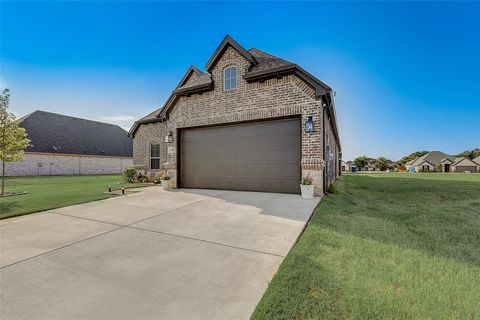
x=472, y=169
x=260, y=156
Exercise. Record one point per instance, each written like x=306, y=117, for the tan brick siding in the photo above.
x=144, y=137
x=35, y=164
x=286, y=96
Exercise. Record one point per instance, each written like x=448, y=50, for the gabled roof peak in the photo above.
x=228, y=41
x=190, y=69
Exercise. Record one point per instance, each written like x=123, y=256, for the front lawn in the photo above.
x=56, y=191
x=385, y=246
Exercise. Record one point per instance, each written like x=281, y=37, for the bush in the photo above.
x=129, y=175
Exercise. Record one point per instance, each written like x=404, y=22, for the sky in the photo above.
x=406, y=74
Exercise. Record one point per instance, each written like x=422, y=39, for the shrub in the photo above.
x=129, y=175
x=166, y=177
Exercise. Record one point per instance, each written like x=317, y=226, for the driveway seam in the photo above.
x=207, y=241
x=61, y=247
x=136, y=228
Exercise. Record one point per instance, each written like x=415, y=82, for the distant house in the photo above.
x=345, y=166
x=439, y=161
x=431, y=161
x=370, y=166
x=464, y=164
x=477, y=161
x=351, y=166
x=64, y=145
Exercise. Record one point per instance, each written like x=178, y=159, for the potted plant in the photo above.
x=306, y=186
x=166, y=182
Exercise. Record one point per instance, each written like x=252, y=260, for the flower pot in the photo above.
x=166, y=184
x=307, y=191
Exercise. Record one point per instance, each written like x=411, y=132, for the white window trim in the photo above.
x=154, y=158
x=236, y=77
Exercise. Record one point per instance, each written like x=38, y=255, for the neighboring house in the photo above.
x=370, y=166
x=251, y=121
x=345, y=166
x=464, y=164
x=431, y=161
x=351, y=166
x=477, y=161
x=64, y=145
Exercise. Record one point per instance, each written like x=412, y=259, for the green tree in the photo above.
x=382, y=163
x=410, y=157
x=361, y=162
x=13, y=139
x=471, y=154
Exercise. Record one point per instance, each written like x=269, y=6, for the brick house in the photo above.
x=251, y=121
x=64, y=145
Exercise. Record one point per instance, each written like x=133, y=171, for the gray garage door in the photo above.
x=472, y=169
x=257, y=156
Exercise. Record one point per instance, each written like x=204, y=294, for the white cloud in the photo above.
x=124, y=118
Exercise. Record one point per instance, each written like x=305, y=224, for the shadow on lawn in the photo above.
x=7, y=208
x=438, y=217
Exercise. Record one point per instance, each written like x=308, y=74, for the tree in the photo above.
x=382, y=163
x=361, y=162
x=13, y=139
x=471, y=154
x=411, y=156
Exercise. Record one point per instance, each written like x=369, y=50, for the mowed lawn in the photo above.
x=48, y=192
x=385, y=246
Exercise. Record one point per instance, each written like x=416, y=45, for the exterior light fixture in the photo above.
x=169, y=137
x=123, y=190
x=309, y=124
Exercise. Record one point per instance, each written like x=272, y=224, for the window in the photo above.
x=155, y=156
x=230, y=78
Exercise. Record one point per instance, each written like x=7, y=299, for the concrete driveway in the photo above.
x=183, y=254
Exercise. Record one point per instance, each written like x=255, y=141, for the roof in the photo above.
x=263, y=65
x=477, y=160
x=463, y=161
x=409, y=163
x=433, y=157
x=446, y=160
x=52, y=132
x=226, y=42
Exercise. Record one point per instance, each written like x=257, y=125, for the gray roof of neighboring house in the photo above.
x=73, y=135
x=477, y=160
x=433, y=157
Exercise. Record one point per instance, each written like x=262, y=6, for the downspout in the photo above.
x=324, y=105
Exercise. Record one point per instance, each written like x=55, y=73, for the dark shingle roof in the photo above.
x=49, y=131
x=262, y=66
x=267, y=61
x=205, y=80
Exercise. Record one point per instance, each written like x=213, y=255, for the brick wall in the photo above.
x=35, y=164
x=287, y=96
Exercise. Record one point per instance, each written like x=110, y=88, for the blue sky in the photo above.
x=406, y=74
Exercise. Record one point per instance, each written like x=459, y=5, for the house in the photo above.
x=370, y=166
x=464, y=164
x=64, y=145
x=250, y=121
x=345, y=166
x=430, y=162
x=477, y=161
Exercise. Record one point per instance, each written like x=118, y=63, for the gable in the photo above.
x=464, y=162
x=226, y=43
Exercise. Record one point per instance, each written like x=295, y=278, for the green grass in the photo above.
x=56, y=191
x=385, y=246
